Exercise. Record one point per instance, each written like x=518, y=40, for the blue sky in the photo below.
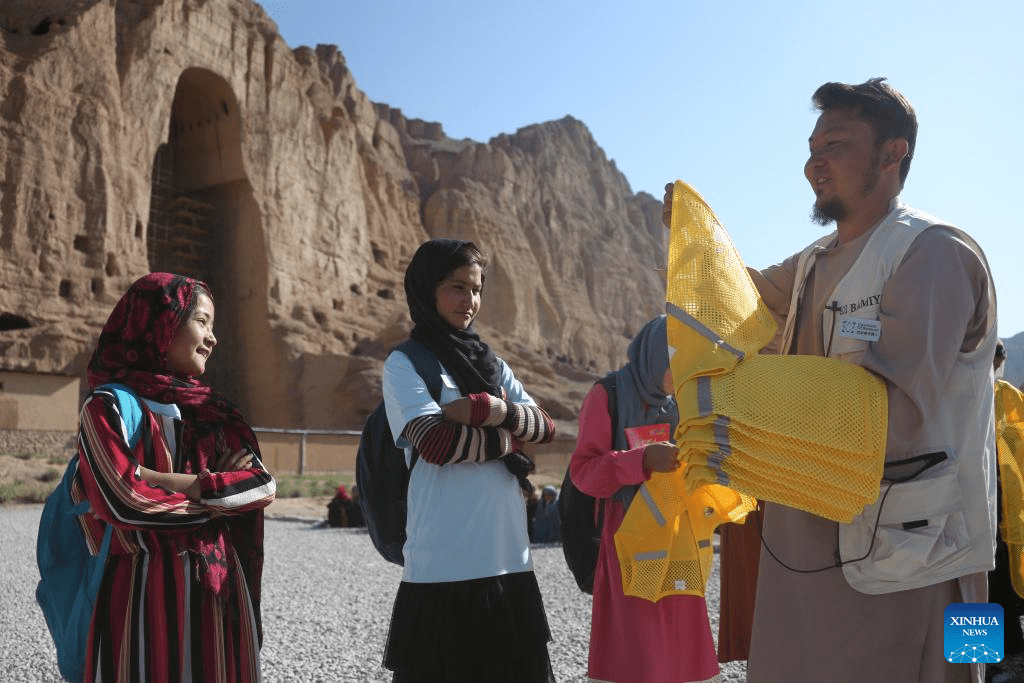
x=716, y=94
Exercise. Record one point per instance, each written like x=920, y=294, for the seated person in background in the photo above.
x=355, y=515
x=532, y=501
x=546, y=522
x=342, y=510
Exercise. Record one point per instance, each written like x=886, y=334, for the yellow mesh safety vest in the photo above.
x=803, y=431
x=790, y=419
x=1010, y=446
x=704, y=440
x=709, y=293
x=664, y=542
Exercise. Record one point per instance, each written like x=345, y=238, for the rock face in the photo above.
x=185, y=135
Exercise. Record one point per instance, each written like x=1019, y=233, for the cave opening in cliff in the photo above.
x=204, y=221
x=13, y=321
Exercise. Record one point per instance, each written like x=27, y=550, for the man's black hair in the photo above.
x=879, y=104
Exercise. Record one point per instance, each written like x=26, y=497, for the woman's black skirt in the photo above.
x=492, y=629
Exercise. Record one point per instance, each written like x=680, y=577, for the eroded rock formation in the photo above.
x=186, y=135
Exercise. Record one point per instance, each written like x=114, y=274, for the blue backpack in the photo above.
x=381, y=474
x=70, y=576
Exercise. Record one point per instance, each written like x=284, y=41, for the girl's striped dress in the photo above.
x=157, y=619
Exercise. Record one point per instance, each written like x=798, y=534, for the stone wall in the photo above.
x=52, y=443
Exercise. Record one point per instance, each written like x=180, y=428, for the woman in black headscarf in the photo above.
x=468, y=608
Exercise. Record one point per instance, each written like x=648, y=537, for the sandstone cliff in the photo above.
x=185, y=135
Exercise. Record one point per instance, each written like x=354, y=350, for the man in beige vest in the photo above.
x=909, y=298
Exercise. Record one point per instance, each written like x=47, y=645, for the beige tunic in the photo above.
x=813, y=626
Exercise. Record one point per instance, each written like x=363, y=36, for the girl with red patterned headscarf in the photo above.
x=180, y=597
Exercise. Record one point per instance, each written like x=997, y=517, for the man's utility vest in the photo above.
x=939, y=524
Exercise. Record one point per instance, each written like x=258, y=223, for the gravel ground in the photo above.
x=326, y=602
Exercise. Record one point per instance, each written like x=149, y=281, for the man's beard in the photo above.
x=834, y=209
x=824, y=214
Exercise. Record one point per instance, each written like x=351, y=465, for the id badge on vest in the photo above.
x=849, y=337
x=861, y=329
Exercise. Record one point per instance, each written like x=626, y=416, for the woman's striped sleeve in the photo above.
x=441, y=442
x=233, y=493
x=526, y=421
x=116, y=493
x=529, y=423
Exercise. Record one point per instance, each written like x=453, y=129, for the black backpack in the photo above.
x=582, y=516
x=381, y=473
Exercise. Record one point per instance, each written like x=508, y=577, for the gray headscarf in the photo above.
x=641, y=398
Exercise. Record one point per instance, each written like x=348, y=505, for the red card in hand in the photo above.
x=645, y=434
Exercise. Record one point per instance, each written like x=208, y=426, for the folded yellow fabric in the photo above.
x=789, y=417
x=804, y=431
x=828, y=503
x=702, y=444
x=1010, y=446
x=817, y=400
x=825, y=500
